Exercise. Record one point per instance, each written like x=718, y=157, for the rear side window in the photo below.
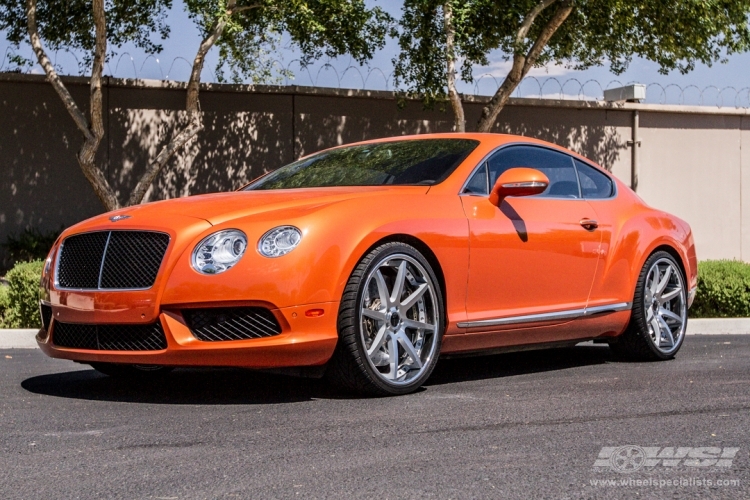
x=594, y=184
x=558, y=167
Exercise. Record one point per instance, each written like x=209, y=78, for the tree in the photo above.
x=436, y=35
x=317, y=27
x=80, y=26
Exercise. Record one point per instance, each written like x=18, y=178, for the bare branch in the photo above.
x=522, y=63
x=195, y=75
x=459, y=124
x=93, y=134
x=175, y=144
x=192, y=106
x=49, y=70
x=528, y=21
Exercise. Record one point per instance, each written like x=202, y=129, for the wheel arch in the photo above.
x=675, y=254
x=424, y=249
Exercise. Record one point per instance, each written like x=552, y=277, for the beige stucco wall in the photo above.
x=691, y=166
x=691, y=161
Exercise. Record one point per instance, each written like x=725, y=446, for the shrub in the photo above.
x=4, y=302
x=30, y=244
x=723, y=290
x=23, y=293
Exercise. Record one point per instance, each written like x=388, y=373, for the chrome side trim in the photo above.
x=609, y=308
x=533, y=318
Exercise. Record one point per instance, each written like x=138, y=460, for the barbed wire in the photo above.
x=375, y=78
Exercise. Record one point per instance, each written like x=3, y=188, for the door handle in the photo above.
x=589, y=224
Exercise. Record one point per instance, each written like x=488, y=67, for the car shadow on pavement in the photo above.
x=207, y=386
x=462, y=369
x=222, y=386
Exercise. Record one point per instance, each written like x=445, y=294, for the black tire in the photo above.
x=116, y=370
x=350, y=368
x=636, y=343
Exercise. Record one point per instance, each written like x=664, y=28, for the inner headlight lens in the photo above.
x=219, y=252
x=279, y=241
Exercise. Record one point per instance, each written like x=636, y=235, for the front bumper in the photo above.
x=304, y=341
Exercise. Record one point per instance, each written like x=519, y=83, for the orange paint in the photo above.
x=519, y=256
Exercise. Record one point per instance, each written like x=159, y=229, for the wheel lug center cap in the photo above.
x=394, y=319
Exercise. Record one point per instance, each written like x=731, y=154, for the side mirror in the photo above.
x=519, y=181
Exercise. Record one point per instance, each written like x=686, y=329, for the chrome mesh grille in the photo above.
x=81, y=260
x=107, y=260
x=133, y=259
x=231, y=323
x=110, y=337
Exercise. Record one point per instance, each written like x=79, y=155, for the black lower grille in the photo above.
x=46, y=312
x=107, y=260
x=231, y=323
x=110, y=337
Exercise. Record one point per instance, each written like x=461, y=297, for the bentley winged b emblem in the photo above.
x=115, y=218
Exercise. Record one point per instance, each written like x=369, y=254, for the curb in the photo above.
x=718, y=326
x=18, y=339
x=25, y=338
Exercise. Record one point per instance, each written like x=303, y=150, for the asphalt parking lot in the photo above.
x=521, y=425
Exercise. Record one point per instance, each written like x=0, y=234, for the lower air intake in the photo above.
x=46, y=312
x=110, y=337
x=231, y=323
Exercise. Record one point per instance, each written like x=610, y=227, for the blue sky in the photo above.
x=732, y=77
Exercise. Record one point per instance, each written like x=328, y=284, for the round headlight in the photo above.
x=279, y=241
x=219, y=251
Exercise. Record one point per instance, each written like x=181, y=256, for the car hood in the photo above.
x=222, y=207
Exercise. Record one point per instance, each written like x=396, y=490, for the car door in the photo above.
x=531, y=256
x=600, y=191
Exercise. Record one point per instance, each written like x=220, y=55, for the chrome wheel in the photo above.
x=399, y=319
x=665, y=305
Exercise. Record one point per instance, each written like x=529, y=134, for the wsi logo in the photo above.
x=630, y=458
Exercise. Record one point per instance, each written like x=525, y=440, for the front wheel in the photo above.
x=390, y=323
x=659, y=318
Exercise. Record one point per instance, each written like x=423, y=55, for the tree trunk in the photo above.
x=459, y=120
x=522, y=63
x=192, y=106
x=92, y=134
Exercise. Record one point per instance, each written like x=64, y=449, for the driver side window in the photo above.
x=558, y=167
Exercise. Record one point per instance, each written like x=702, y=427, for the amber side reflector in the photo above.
x=314, y=313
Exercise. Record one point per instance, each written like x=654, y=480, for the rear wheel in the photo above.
x=117, y=370
x=659, y=318
x=390, y=323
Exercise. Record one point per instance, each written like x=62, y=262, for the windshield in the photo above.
x=409, y=162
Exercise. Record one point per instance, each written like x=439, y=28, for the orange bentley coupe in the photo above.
x=365, y=263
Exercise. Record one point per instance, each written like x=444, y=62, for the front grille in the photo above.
x=46, y=312
x=231, y=323
x=110, y=260
x=110, y=337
